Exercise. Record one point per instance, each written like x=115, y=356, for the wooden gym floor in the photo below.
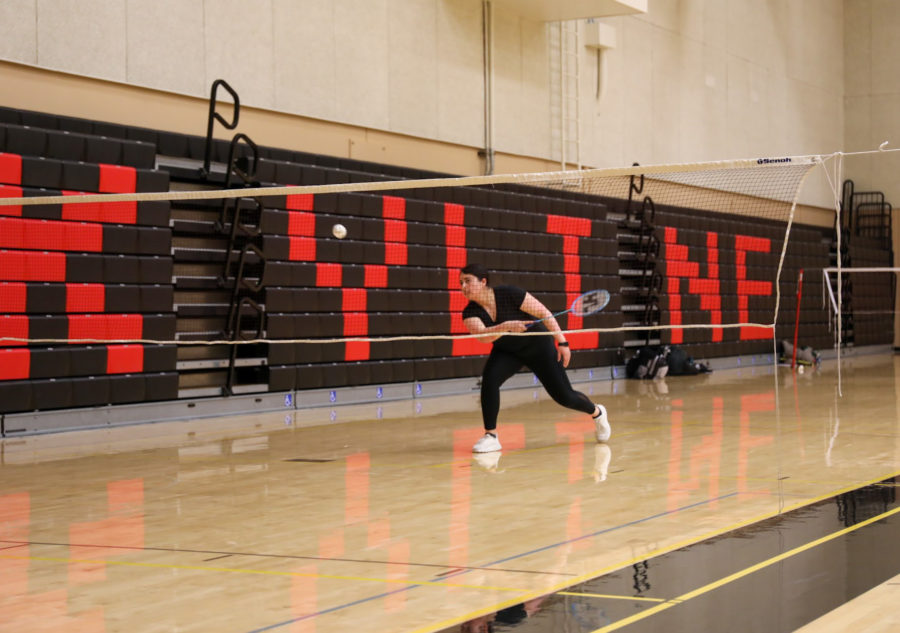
x=379, y=518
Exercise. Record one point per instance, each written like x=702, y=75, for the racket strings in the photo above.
x=590, y=303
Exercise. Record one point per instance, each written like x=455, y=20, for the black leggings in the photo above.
x=540, y=357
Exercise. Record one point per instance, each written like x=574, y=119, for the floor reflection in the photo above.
x=821, y=565
x=382, y=516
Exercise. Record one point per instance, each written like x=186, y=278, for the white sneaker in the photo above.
x=487, y=444
x=601, y=422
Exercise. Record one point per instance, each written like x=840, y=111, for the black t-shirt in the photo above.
x=509, y=308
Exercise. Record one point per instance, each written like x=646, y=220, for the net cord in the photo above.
x=363, y=339
x=572, y=176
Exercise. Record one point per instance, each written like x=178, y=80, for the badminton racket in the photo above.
x=584, y=305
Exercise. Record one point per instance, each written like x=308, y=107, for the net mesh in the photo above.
x=872, y=307
x=257, y=280
x=666, y=209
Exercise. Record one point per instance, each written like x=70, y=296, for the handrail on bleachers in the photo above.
x=215, y=116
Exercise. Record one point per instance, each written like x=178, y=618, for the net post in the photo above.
x=797, y=320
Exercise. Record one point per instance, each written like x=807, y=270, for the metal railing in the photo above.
x=215, y=116
x=240, y=221
x=647, y=252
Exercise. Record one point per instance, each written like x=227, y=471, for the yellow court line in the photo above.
x=840, y=491
x=651, y=554
x=266, y=572
x=609, y=596
x=655, y=474
x=740, y=574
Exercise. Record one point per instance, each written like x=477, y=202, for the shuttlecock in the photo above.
x=339, y=231
x=883, y=146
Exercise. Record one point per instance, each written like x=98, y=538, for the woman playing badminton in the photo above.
x=494, y=312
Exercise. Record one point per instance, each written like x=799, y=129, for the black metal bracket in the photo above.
x=215, y=116
x=237, y=225
x=233, y=209
x=241, y=282
x=633, y=189
x=239, y=334
x=240, y=165
x=648, y=249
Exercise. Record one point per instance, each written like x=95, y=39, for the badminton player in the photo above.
x=494, y=312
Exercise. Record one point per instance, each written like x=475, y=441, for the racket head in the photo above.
x=590, y=302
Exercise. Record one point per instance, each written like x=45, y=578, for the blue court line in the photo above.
x=332, y=609
x=599, y=532
x=496, y=562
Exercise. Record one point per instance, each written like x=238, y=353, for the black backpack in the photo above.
x=680, y=364
x=649, y=361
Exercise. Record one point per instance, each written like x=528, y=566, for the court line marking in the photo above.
x=740, y=574
x=610, y=596
x=318, y=559
x=264, y=572
x=651, y=554
x=584, y=577
x=3, y=549
x=327, y=611
x=525, y=594
x=612, y=529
